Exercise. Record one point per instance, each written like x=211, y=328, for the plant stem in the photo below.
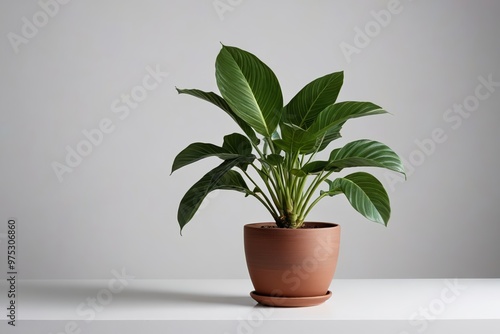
x=320, y=197
x=310, y=191
x=268, y=187
x=266, y=205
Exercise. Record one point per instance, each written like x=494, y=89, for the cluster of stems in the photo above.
x=288, y=194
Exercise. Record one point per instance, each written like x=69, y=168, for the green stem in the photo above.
x=311, y=190
x=319, y=198
x=300, y=193
x=269, y=208
x=268, y=204
x=268, y=187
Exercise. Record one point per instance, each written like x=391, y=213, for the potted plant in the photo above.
x=275, y=160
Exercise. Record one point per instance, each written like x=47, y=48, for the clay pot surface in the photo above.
x=291, y=263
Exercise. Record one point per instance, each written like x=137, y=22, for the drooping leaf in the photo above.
x=219, y=102
x=359, y=153
x=304, y=107
x=198, y=151
x=221, y=177
x=250, y=88
x=366, y=195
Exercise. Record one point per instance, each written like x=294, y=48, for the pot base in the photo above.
x=290, y=301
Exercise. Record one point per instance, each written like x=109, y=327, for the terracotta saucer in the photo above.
x=290, y=301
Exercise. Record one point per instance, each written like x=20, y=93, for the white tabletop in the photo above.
x=412, y=305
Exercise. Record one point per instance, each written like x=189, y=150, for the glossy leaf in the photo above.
x=360, y=153
x=250, y=93
x=198, y=151
x=240, y=145
x=304, y=107
x=299, y=140
x=219, y=102
x=221, y=177
x=250, y=88
x=237, y=143
x=274, y=159
x=337, y=114
x=366, y=195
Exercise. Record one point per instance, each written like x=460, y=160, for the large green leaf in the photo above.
x=304, y=107
x=360, y=153
x=336, y=114
x=221, y=177
x=234, y=145
x=326, y=127
x=299, y=140
x=198, y=151
x=219, y=102
x=365, y=193
x=250, y=88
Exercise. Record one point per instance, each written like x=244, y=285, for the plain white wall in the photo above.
x=117, y=208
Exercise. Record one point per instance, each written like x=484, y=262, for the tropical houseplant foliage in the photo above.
x=273, y=159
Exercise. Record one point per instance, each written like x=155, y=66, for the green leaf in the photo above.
x=298, y=172
x=365, y=193
x=321, y=143
x=198, y=151
x=219, y=102
x=250, y=88
x=366, y=153
x=274, y=159
x=298, y=140
x=292, y=138
x=360, y=153
x=221, y=177
x=336, y=114
x=326, y=127
x=238, y=144
x=234, y=145
x=314, y=167
x=304, y=107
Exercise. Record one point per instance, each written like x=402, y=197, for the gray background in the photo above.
x=117, y=209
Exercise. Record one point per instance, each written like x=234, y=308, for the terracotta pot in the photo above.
x=291, y=267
